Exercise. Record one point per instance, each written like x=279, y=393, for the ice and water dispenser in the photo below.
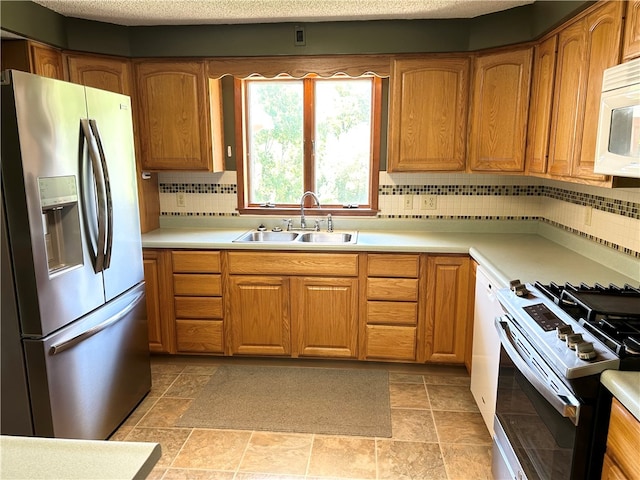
x=61, y=222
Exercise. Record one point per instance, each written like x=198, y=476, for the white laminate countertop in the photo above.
x=35, y=458
x=625, y=386
x=508, y=256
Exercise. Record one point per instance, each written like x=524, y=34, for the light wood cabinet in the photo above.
x=174, y=115
x=312, y=310
x=621, y=458
x=259, y=315
x=325, y=316
x=540, y=103
x=159, y=300
x=499, y=110
x=32, y=57
x=428, y=114
x=114, y=75
x=393, y=308
x=198, y=301
x=585, y=49
x=448, y=314
x=631, y=39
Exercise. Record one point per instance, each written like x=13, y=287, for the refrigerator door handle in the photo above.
x=101, y=192
x=105, y=175
x=67, y=344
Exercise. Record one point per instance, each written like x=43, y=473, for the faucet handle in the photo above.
x=316, y=225
x=288, y=224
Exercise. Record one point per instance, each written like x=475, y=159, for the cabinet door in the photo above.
x=499, y=111
x=603, y=33
x=325, y=316
x=173, y=115
x=428, y=114
x=585, y=49
x=565, y=121
x=46, y=61
x=110, y=74
x=631, y=41
x=447, y=309
x=544, y=67
x=259, y=315
x=159, y=297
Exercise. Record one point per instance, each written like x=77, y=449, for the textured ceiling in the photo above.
x=190, y=12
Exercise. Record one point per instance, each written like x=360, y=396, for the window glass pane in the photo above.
x=343, y=140
x=275, y=141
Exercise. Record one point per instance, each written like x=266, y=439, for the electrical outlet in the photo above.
x=587, y=215
x=181, y=199
x=408, y=202
x=429, y=202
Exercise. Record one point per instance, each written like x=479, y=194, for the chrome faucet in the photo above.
x=303, y=222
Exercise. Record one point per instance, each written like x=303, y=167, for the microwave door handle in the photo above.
x=107, y=184
x=97, y=173
x=567, y=407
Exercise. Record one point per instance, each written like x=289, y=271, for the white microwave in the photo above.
x=618, y=143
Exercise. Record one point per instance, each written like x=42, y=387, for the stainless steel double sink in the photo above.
x=326, y=238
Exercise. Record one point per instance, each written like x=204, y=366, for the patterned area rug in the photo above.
x=294, y=399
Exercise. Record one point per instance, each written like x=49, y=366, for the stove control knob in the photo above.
x=563, y=331
x=573, y=339
x=585, y=351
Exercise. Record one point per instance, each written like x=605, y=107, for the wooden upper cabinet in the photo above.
x=585, y=49
x=604, y=32
x=112, y=74
x=544, y=67
x=631, y=39
x=32, y=57
x=175, y=116
x=499, y=110
x=428, y=114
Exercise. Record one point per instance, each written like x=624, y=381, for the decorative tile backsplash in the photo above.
x=610, y=217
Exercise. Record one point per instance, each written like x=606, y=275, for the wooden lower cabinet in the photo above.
x=447, y=315
x=159, y=299
x=259, y=315
x=621, y=458
x=393, y=307
x=325, y=316
x=197, y=301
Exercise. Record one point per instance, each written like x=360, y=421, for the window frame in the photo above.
x=308, y=166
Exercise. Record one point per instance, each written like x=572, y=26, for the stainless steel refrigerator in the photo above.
x=75, y=356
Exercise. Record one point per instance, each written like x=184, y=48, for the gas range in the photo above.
x=578, y=330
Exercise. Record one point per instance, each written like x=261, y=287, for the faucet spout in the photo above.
x=303, y=221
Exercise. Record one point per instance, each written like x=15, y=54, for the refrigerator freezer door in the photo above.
x=40, y=158
x=86, y=378
x=111, y=115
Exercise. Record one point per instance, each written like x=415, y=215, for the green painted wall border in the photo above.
x=515, y=25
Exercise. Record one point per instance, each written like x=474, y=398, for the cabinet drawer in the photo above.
x=198, y=307
x=392, y=313
x=400, y=289
x=197, y=284
x=392, y=265
x=196, y=262
x=199, y=336
x=622, y=441
x=391, y=342
x=275, y=263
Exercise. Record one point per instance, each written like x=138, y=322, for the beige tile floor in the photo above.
x=438, y=432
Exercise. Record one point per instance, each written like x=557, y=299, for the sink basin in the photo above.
x=326, y=237
x=267, y=237
x=333, y=238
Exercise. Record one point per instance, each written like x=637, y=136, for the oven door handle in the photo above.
x=565, y=404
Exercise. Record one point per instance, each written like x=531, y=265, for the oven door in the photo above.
x=537, y=415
